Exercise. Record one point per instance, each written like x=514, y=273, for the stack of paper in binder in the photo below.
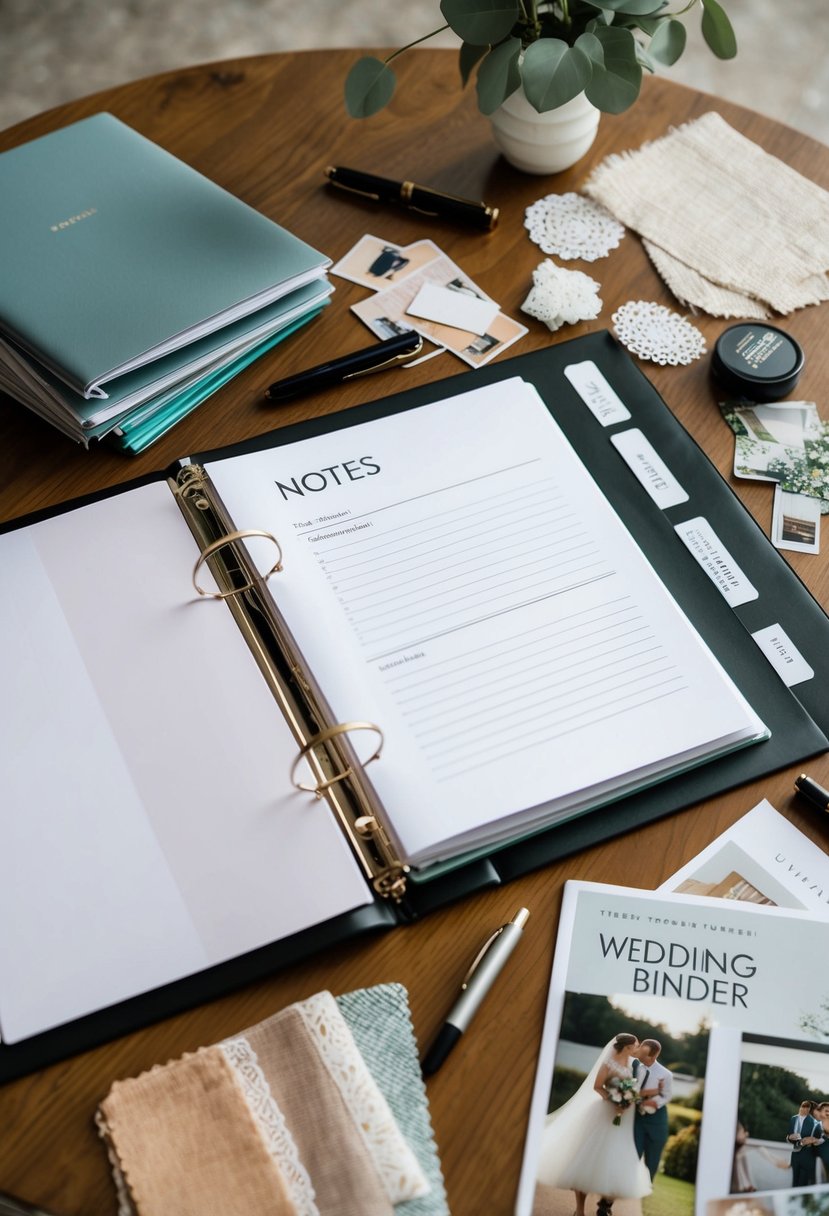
x=132, y=286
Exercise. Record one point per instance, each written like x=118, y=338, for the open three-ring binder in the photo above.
x=323, y=743
x=167, y=845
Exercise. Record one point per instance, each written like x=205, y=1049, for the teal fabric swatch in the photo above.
x=381, y=1025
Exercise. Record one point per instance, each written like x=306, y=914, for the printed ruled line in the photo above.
x=580, y=618
x=429, y=494
x=421, y=641
x=490, y=757
x=489, y=505
x=549, y=674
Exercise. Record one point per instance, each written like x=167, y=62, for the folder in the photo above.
x=596, y=395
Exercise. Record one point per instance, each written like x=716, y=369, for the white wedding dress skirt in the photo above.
x=582, y=1150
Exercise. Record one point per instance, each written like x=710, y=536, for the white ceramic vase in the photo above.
x=544, y=143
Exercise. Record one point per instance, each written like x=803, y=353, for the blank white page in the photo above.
x=147, y=825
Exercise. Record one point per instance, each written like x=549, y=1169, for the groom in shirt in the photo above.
x=650, y=1120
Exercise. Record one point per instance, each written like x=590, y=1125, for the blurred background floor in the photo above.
x=54, y=50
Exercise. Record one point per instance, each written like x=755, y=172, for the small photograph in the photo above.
x=625, y=1111
x=390, y=306
x=795, y=523
x=781, y=1141
x=787, y=443
x=375, y=262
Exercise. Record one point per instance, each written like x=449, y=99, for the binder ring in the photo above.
x=214, y=547
x=331, y=732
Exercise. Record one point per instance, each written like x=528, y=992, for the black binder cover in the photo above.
x=798, y=719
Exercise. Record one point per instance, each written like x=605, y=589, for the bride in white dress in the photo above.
x=582, y=1150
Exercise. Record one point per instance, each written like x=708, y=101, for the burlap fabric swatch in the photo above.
x=286, y=1115
x=731, y=229
x=185, y=1144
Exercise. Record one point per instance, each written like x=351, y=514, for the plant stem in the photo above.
x=408, y=45
x=565, y=12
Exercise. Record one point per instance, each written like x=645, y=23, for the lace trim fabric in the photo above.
x=271, y=1123
x=572, y=226
x=561, y=297
x=653, y=332
x=396, y=1164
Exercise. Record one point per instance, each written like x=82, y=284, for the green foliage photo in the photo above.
x=555, y=49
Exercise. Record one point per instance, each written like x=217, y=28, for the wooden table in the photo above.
x=266, y=128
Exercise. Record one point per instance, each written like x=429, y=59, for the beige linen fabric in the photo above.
x=185, y=1143
x=356, y=1157
x=339, y=1165
x=731, y=229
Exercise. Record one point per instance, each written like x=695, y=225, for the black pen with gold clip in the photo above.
x=422, y=199
x=390, y=353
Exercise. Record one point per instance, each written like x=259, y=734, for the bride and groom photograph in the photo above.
x=622, y=1131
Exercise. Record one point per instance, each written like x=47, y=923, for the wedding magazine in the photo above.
x=761, y=859
x=735, y=995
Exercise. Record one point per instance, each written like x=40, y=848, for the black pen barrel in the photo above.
x=449, y=207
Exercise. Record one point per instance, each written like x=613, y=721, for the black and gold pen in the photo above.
x=417, y=198
x=393, y=352
x=812, y=792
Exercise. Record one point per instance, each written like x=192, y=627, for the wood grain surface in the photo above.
x=265, y=128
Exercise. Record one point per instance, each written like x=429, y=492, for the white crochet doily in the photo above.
x=561, y=297
x=653, y=332
x=573, y=227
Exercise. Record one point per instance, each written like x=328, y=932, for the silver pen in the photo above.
x=477, y=982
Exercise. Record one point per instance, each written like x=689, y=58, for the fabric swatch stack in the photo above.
x=319, y=1109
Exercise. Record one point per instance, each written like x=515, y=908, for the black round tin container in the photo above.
x=757, y=361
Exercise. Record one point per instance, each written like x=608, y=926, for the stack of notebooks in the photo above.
x=318, y=1111
x=133, y=287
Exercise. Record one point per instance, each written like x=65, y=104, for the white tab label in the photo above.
x=649, y=468
x=702, y=541
x=783, y=655
x=603, y=402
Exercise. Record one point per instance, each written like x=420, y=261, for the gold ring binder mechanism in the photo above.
x=324, y=744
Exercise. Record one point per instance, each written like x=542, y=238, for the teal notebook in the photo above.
x=134, y=396
x=116, y=254
x=143, y=427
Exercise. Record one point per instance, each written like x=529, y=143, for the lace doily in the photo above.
x=561, y=297
x=653, y=332
x=395, y=1162
x=573, y=227
x=271, y=1123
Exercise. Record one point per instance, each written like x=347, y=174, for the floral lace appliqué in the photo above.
x=572, y=226
x=653, y=332
x=561, y=297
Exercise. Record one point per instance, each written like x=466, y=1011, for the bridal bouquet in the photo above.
x=622, y=1091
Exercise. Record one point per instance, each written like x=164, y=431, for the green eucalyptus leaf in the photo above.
x=368, y=87
x=592, y=47
x=717, y=30
x=616, y=84
x=468, y=57
x=648, y=25
x=481, y=22
x=668, y=43
x=554, y=73
x=498, y=75
x=644, y=59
